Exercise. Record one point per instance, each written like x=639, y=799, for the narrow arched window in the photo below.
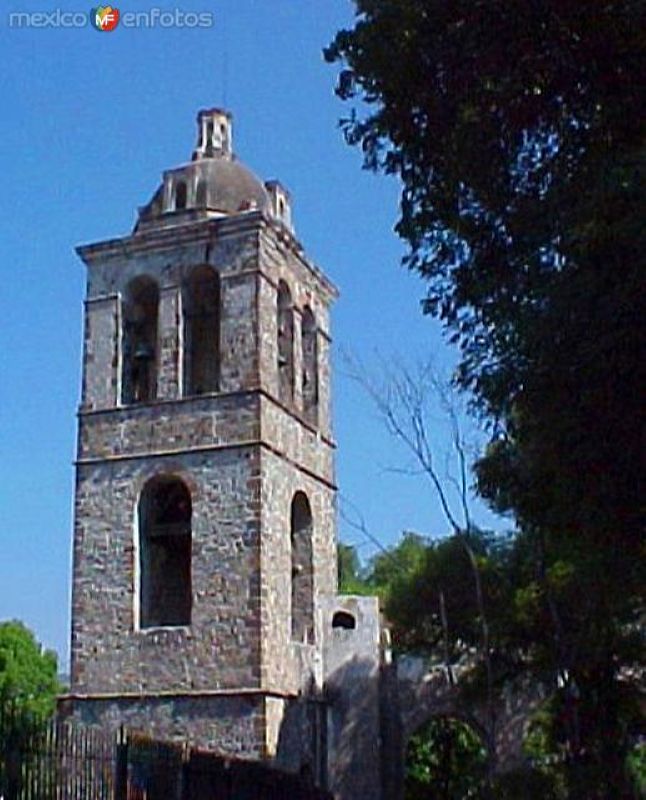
x=302, y=570
x=285, y=344
x=140, y=312
x=202, y=331
x=344, y=620
x=180, y=195
x=310, y=367
x=165, y=553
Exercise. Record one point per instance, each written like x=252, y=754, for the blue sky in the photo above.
x=90, y=120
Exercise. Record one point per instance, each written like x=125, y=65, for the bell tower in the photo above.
x=204, y=534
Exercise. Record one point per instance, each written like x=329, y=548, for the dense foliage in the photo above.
x=28, y=682
x=514, y=130
x=427, y=592
x=448, y=756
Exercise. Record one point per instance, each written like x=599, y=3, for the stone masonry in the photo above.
x=160, y=460
x=204, y=597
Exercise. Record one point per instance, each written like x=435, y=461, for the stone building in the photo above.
x=204, y=601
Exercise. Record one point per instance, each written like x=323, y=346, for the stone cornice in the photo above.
x=176, y=693
x=210, y=448
x=260, y=392
x=200, y=232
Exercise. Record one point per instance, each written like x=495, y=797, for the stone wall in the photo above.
x=352, y=690
x=174, y=426
x=221, y=648
x=233, y=679
x=424, y=694
x=233, y=252
x=229, y=724
x=226, y=679
x=281, y=261
x=280, y=482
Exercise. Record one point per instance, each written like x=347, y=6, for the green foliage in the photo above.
x=520, y=158
x=636, y=765
x=350, y=573
x=428, y=592
x=445, y=760
x=512, y=128
x=391, y=570
x=28, y=682
x=413, y=574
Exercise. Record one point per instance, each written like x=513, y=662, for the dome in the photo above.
x=217, y=186
x=229, y=187
x=215, y=183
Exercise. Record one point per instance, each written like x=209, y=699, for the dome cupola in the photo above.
x=213, y=184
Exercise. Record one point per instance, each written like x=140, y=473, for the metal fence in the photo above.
x=63, y=761
x=54, y=761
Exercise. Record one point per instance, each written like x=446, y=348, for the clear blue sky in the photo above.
x=89, y=121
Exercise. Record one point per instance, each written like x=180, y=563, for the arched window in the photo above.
x=310, y=367
x=140, y=311
x=165, y=553
x=180, y=195
x=302, y=574
x=202, y=331
x=344, y=620
x=285, y=344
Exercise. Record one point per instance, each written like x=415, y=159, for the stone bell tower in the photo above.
x=204, y=536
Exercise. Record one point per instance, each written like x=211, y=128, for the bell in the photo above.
x=144, y=352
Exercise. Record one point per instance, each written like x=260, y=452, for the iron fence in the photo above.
x=64, y=761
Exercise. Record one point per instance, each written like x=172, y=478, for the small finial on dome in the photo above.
x=214, y=134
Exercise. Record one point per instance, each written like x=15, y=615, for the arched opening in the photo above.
x=140, y=312
x=310, y=367
x=344, y=620
x=285, y=344
x=302, y=527
x=180, y=195
x=165, y=512
x=202, y=331
x=446, y=759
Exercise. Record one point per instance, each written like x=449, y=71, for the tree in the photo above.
x=513, y=130
x=349, y=569
x=28, y=682
x=446, y=761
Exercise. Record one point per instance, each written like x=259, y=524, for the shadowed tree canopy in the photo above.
x=514, y=130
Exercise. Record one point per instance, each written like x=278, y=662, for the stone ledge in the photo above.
x=143, y=695
x=126, y=410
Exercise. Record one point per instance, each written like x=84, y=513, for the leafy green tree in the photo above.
x=28, y=689
x=349, y=569
x=28, y=682
x=428, y=599
x=512, y=127
x=445, y=760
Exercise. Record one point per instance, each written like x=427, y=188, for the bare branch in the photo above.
x=359, y=524
x=403, y=403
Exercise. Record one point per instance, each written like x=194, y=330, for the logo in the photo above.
x=104, y=18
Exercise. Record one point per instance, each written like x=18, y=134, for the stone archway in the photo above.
x=416, y=694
